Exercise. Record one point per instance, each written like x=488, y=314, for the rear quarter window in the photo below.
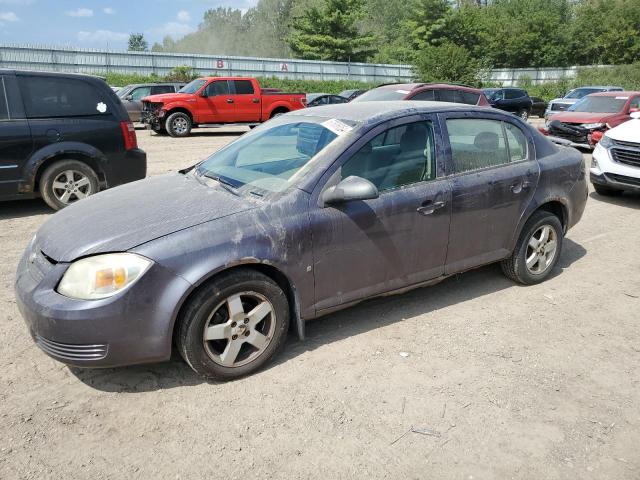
x=243, y=87
x=4, y=109
x=46, y=97
x=469, y=98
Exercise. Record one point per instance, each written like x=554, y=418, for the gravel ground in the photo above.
x=508, y=381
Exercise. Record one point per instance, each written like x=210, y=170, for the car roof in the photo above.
x=607, y=87
x=153, y=84
x=383, y=110
x=6, y=71
x=615, y=94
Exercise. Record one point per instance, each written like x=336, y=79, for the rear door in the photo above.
x=16, y=145
x=67, y=109
x=217, y=106
x=493, y=174
x=246, y=100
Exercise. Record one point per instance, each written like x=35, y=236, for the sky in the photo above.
x=102, y=23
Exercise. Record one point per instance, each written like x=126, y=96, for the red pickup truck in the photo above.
x=216, y=100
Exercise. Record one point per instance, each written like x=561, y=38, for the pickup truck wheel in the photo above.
x=607, y=191
x=233, y=325
x=537, y=251
x=67, y=181
x=178, y=125
x=159, y=130
x=524, y=115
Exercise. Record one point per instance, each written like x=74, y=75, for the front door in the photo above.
x=217, y=104
x=364, y=248
x=15, y=137
x=493, y=178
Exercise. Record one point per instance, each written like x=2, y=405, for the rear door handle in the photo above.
x=428, y=207
x=229, y=100
x=519, y=186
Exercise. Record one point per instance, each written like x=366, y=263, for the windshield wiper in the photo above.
x=228, y=186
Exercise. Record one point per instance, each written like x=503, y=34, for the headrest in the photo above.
x=413, y=139
x=486, y=141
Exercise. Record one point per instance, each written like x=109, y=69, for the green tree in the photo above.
x=449, y=63
x=137, y=43
x=331, y=32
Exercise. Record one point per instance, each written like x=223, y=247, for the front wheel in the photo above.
x=233, y=325
x=524, y=115
x=178, y=124
x=537, y=251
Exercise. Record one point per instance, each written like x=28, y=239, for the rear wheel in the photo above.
x=607, y=191
x=233, y=325
x=67, y=181
x=178, y=124
x=524, y=115
x=537, y=250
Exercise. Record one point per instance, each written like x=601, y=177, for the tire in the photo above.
x=238, y=344
x=159, y=130
x=607, y=191
x=178, y=125
x=524, y=114
x=516, y=268
x=67, y=181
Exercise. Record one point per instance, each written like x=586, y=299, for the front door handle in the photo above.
x=428, y=207
x=256, y=100
x=229, y=100
x=520, y=186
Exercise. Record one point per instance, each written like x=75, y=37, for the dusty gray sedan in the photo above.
x=309, y=213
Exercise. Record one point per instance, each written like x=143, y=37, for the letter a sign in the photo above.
x=284, y=67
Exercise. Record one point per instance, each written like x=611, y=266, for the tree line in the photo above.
x=444, y=39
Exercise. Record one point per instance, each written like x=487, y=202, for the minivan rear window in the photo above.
x=48, y=97
x=4, y=109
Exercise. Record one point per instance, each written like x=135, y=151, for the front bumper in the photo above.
x=607, y=172
x=132, y=327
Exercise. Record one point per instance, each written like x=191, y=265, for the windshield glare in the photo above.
x=599, y=105
x=581, y=92
x=493, y=94
x=382, y=94
x=193, y=86
x=267, y=159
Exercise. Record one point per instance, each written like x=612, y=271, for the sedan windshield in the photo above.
x=599, y=104
x=381, y=94
x=582, y=92
x=268, y=158
x=193, y=86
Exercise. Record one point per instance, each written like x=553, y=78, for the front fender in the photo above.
x=32, y=166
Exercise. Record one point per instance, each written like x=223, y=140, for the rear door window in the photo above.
x=476, y=144
x=51, y=97
x=513, y=94
x=243, y=87
x=517, y=143
x=159, y=89
x=4, y=108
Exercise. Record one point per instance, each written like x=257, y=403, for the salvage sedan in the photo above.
x=310, y=213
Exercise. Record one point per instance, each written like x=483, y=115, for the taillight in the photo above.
x=129, y=135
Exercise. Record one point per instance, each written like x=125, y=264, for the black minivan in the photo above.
x=63, y=137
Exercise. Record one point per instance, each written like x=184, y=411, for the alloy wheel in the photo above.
x=239, y=329
x=180, y=126
x=541, y=249
x=70, y=186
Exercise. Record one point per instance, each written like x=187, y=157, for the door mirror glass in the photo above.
x=350, y=189
x=128, y=98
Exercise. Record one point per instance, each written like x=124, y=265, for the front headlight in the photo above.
x=102, y=276
x=592, y=126
x=605, y=142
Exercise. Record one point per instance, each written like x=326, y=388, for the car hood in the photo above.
x=583, y=117
x=122, y=218
x=167, y=97
x=626, y=132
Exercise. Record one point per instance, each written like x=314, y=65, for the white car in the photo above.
x=615, y=166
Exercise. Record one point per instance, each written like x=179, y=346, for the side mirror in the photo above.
x=204, y=93
x=634, y=110
x=129, y=98
x=635, y=114
x=350, y=189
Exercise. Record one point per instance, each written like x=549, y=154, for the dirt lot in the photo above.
x=535, y=382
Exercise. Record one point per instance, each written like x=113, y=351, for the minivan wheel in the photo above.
x=233, y=325
x=67, y=181
x=178, y=124
x=524, y=115
x=537, y=251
